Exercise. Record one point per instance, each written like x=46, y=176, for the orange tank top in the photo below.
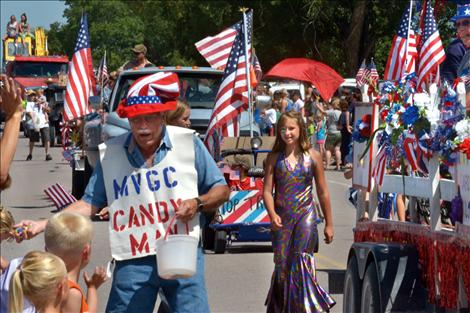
x=84, y=308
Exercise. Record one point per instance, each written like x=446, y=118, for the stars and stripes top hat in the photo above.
x=463, y=11
x=150, y=94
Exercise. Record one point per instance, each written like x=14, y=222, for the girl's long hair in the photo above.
x=36, y=279
x=304, y=143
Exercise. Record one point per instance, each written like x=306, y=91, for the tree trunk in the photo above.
x=353, y=40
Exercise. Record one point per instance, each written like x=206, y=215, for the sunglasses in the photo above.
x=465, y=23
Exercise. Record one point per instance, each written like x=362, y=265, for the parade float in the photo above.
x=412, y=265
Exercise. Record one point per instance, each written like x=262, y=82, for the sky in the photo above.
x=39, y=13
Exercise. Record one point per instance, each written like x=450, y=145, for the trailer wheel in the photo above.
x=208, y=237
x=370, y=300
x=352, y=288
x=220, y=243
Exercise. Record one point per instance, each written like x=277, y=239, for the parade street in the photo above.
x=237, y=281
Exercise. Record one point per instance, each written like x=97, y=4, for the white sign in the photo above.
x=362, y=168
x=463, y=180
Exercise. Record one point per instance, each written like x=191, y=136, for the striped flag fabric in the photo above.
x=412, y=151
x=216, y=49
x=103, y=75
x=59, y=196
x=380, y=165
x=81, y=79
x=373, y=74
x=360, y=78
x=232, y=97
x=432, y=52
x=403, y=53
x=257, y=67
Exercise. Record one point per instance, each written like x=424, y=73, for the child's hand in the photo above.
x=276, y=222
x=98, y=278
x=27, y=229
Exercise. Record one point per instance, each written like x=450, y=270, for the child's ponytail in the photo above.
x=16, y=293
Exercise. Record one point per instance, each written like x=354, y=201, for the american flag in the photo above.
x=399, y=64
x=373, y=74
x=81, y=80
x=257, y=67
x=59, y=196
x=432, y=52
x=412, y=151
x=380, y=165
x=232, y=97
x=360, y=77
x=103, y=75
x=216, y=50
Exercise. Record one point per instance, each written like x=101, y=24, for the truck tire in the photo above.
x=370, y=298
x=208, y=238
x=352, y=288
x=220, y=243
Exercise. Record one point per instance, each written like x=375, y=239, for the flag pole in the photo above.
x=247, y=69
x=408, y=36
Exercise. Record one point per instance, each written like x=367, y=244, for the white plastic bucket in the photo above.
x=176, y=256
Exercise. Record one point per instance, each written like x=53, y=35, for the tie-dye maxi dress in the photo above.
x=294, y=287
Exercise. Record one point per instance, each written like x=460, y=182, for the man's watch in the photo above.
x=200, y=204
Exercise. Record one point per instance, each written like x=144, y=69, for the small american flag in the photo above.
x=257, y=67
x=232, y=97
x=432, y=52
x=412, y=151
x=59, y=196
x=373, y=74
x=380, y=165
x=103, y=75
x=360, y=78
x=81, y=79
x=216, y=50
x=402, y=59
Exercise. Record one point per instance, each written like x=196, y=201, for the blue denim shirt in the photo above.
x=208, y=174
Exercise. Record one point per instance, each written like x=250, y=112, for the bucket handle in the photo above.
x=172, y=221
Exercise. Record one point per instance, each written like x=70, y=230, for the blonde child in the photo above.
x=68, y=235
x=9, y=267
x=42, y=279
x=6, y=232
x=291, y=168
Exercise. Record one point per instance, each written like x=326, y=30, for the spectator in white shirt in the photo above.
x=298, y=104
x=38, y=124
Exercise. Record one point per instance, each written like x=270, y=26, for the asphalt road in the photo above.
x=237, y=281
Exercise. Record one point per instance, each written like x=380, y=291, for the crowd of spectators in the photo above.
x=329, y=123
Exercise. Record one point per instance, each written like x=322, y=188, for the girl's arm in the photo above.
x=268, y=190
x=323, y=194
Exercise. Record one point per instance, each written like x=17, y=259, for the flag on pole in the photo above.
x=402, y=56
x=216, y=50
x=257, y=67
x=360, y=78
x=232, y=97
x=103, y=75
x=432, y=52
x=373, y=74
x=81, y=79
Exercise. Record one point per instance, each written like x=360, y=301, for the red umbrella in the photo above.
x=324, y=78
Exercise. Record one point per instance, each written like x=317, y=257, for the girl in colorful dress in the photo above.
x=320, y=128
x=291, y=168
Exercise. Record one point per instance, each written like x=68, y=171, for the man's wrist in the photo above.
x=199, y=205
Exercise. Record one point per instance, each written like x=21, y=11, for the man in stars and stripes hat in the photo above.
x=156, y=180
x=458, y=47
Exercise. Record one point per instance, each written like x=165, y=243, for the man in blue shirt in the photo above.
x=457, y=48
x=148, y=154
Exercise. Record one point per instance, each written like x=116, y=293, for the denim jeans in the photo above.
x=136, y=284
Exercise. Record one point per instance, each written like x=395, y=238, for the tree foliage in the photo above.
x=339, y=33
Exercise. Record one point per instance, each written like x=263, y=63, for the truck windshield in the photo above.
x=38, y=69
x=197, y=88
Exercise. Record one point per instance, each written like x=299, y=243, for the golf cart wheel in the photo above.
x=370, y=300
x=220, y=243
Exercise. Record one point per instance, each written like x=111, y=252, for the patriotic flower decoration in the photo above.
x=362, y=129
x=413, y=129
